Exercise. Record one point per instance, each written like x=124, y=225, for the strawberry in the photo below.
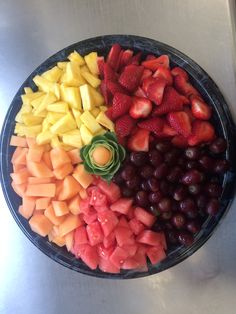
x=179, y=71
x=155, y=91
x=120, y=105
x=140, y=108
x=131, y=76
x=171, y=101
x=109, y=73
x=124, y=125
x=114, y=87
x=163, y=72
x=180, y=122
x=146, y=82
x=189, y=113
x=140, y=93
x=139, y=141
x=200, y=109
x=202, y=131
x=150, y=57
x=184, y=87
x=125, y=58
x=179, y=141
x=154, y=125
x=155, y=63
x=108, y=113
x=185, y=100
x=101, y=62
x=167, y=131
x=146, y=73
x=136, y=58
x=113, y=56
x=106, y=94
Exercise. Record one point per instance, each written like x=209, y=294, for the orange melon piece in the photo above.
x=69, y=224
x=60, y=208
x=69, y=239
x=31, y=142
x=17, y=168
x=83, y=194
x=39, y=170
x=82, y=176
x=59, y=157
x=73, y=205
x=47, y=160
x=70, y=188
x=18, y=141
x=63, y=171
x=21, y=176
x=35, y=154
x=19, y=156
x=74, y=155
x=42, y=203
x=19, y=188
x=50, y=214
x=28, y=206
x=34, y=180
x=59, y=187
x=41, y=190
x=40, y=224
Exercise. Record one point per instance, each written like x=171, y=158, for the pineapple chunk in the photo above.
x=105, y=121
x=42, y=114
x=77, y=114
x=26, y=109
x=35, y=103
x=72, y=138
x=62, y=65
x=91, y=79
x=63, y=125
x=89, y=121
x=101, y=132
x=43, y=84
x=91, y=61
x=27, y=98
x=28, y=90
x=98, y=99
x=95, y=112
x=90, y=97
x=57, y=90
x=53, y=117
x=72, y=76
x=28, y=131
x=76, y=57
x=46, y=125
x=29, y=119
x=59, y=106
x=19, y=117
x=53, y=75
x=63, y=92
x=84, y=68
x=72, y=97
x=44, y=137
x=86, y=136
x=55, y=142
x=103, y=108
x=47, y=100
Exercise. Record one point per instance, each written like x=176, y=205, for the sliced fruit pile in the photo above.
x=115, y=158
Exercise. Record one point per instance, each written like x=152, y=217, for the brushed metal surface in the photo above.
x=30, y=31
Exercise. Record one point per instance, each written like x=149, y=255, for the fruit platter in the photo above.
x=116, y=157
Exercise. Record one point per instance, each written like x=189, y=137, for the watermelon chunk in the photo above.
x=142, y=215
x=89, y=256
x=110, y=240
x=136, y=226
x=151, y=238
x=124, y=236
x=118, y=256
x=156, y=254
x=108, y=267
x=108, y=221
x=95, y=234
x=111, y=190
x=122, y=206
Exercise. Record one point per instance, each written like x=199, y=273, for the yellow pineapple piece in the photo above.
x=90, y=97
x=91, y=61
x=90, y=122
x=28, y=90
x=84, y=68
x=95, y=112
x=86, y=135
x=28, y=131
x=26, y=108
x=101, y=132
x=53, y=75
x=105, y=121
x=72, y=76
x=103, y=108
x=63, y=92
x=42, y=114
x=77, y=114
x=59, y=106
x=53, y=117
x=97, y=97
x=62, y=65
x=43, y=84
x=91, y=79
x=63, y=125
x=49, y=98
x=76, y=57
x=29, y=119
x=46, y=125
x=57, y=90
x=28, y=98
x=72, y=138
x=72, y=97
x=35, y=103
x=44, y=137
x=55, y=142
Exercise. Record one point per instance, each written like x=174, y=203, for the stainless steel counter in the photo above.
x=30, y=31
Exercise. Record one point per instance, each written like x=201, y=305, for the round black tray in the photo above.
x=221, y=119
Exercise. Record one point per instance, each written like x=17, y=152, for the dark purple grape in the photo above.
x=147, y=171
x=145, y=186
x=154, y=210
x=170, y=157
x=192, y=177
x=187, y=204
x=166, y=215
x=155, y=197
x=192, y=153
x=172, y=236
x=161, y=171
x=155, y=157
x=193, y=226
x=128, y=172
x=133, y=183
x=118, y=178
x=164, y=187
x=165, y=204
x=212, y=207
x=178, y=220
x=141, y=198
x=167, y=225
x=185, y=238
x=174, y=174
x=153, y=184
x=213, y=189
x=194, y=189
x=191, y=164
x=181, y=161
x=206, y=162
x=221, y=166
x=138, y=158
x=163, y=147
x=171, y=189
x=218, y=146
x=180, y=193
x=158, y=225
x=175, y=206
x=201, y=201
x=192, y=213
x=126, y=192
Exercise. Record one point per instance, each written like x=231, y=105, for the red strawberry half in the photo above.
x=105, y=92
x=163, y=72
x=147, y=82
x=179, y=71
x=153, y=64
x=101, y=62
x=131, y=76
x=139, y=141
x=124, y=125
x=109, y=73
x=125, y=58
x=184, y=87
x=179, y=141
x=140, y=108
x=167, y=131
x=146, y=73
x=200, y=109
x=113, y=56
x=120, y=105
x=155, y=91
x=136, y=58
x=115, y=87
x=202, y=131
x=180, y=122
x=154, y=125
x=140, y=93
x=108, y=113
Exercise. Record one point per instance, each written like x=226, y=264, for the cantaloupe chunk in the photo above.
x=41, y=190
x=73, y=205
x=17, y=168
x=31, y=142
x=74, y=156
x=24, y=212
x=40, y=224
x=19, y=156
x=59, y=157
x=35, y=153
x=18, y=141
x=21, y=176
x=70, y=188
x=63, y=171
x=69, y=239
x=34, y=180
x=28, y=206
x=60, y=208
x=39, y=170
x=47, y=160
x=42, y=203
x=59, y=186
x=83, y=194
x=82, y=176
x=50, y=214
x=19, y=188
x=60, y=241
x=69, y=224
